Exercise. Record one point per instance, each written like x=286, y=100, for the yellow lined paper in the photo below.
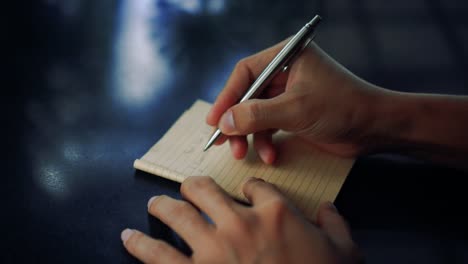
x=304, y=174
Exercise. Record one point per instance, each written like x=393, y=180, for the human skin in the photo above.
x=327, y=105
x=271, y=230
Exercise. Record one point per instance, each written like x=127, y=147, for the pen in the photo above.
x=280, y=62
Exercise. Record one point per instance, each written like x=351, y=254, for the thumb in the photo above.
x=255, y=115
x=334, y=225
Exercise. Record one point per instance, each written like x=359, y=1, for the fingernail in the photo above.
x=226, y=123
x=263, y=155
x=126, y=234
x=253, y=179
x=250, y=179
x=151, y=200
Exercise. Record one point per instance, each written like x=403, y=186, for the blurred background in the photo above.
x=91, y=85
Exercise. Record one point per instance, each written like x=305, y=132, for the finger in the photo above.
x=243, y=75
x=238, y=146
x=204, y=193
x=263, y=144
x=333, y=224
x=257, y=191
x=149, y=250
x=274, y=90
x=255, y=115
x=221, y=140
x=182, y=217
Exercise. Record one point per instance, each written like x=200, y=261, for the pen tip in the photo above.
x=207, y=146
x=212, y=139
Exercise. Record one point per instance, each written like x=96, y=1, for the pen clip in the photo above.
x=297, y=53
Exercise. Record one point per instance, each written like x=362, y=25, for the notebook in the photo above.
x=304, y=174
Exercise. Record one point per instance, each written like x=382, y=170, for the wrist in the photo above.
x=429, y=126
x=392, y=121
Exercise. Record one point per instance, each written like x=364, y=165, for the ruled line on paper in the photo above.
x=304, y=174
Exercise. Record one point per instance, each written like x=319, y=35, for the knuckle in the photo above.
x=255, y=111
x=253, y=184
x=241, y=69
x=250, y=186
x=134, y=241
x=255, y=114
x=241, y=64
x=222, y=200
x=277, y=211
x=172, y=209
x=202, y=182
x=257, y=185
x=238, y=223
x=157, y=248
x=278, y=207
x=195, y=183
x=299, y=109
x=300, y=103
x=277, y=215
x=251, y=219
x=178, y=209
x=238, y=228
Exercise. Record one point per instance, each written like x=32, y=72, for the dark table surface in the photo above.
x=91, y=85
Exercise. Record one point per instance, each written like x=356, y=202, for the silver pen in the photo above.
x=280, y=62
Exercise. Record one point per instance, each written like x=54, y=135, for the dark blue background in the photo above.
x=90, y=85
